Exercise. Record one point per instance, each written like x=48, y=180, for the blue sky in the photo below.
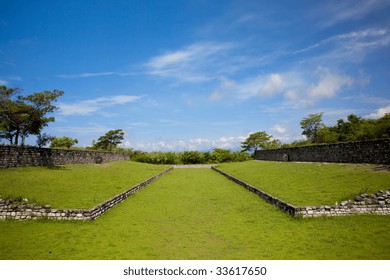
x=196, y=75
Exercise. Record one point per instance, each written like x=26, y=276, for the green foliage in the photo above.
x=298, y=143
x=356, y=129
x=21, y=116
x=43, y=139
x=63, y=142
x=353, y=129
x=260, y=140
x=311, y=125
x=189, y=157
x=109, y=141
x=192, y=157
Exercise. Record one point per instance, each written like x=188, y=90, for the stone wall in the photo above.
x=313, y=211
x=374, y=151
x=338, y=210
x=22, y=210
x=17, y=156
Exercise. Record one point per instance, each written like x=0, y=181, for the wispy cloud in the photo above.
x=193, y=63
x=335, y=11
x=6, y=80
x=350, y=46
x=92, y=75
x=91, y=128
x=87, y=107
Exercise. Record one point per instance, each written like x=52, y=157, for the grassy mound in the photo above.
x=197, y=214
x=74, y=186
x=303, y=184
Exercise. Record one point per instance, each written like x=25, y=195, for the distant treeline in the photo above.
x=189, y=157
x=353, y=129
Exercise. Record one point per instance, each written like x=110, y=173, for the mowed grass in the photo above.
x=304, y=184
x=74, y=186
x=197, y=214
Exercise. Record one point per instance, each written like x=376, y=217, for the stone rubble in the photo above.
x=381, y=198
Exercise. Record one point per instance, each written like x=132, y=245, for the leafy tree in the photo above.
x=311, y=125
x=21, y=116
x=383, y=127
x=43, y=140
x=110, y=140
x=63, y=142
x=354, y=128
x=191, y=157
x=272, y=144
x=256, y=141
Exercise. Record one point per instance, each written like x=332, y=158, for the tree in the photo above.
x=256, y=141
x=21, y=116
x=63, y=142
x=311, y=125
x=43, y=140
x=110, y=140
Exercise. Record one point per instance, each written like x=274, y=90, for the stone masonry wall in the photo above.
x=16, y=210
x=17, y=156
x=374, y=151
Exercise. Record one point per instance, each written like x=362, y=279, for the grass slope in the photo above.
x=197, y=214
x=303, y=184
x=74, y=186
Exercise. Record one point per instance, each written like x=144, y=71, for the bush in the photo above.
x=189, y=157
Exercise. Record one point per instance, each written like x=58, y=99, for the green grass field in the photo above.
x=304, y=184
x=74, y=186
x=197, y=214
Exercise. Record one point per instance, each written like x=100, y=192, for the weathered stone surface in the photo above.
x=17, y=156
x=373, y=151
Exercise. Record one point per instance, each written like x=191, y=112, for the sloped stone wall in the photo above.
x=374, y=151
x=17, y=156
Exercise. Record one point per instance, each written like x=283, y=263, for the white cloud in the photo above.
x=262, y=86
x=3, y=82
x=329, y=85
x=339, y=11
x=379, y=113
x=87, y=107
x=352, y=46
x=298, y=88
x=195, y=144
x=278, y=129
x=193, y=63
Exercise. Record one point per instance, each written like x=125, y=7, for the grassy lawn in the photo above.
x=304, y=184
x=197, y=214
x=74, y=186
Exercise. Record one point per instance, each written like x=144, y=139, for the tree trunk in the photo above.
x=16, y=137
